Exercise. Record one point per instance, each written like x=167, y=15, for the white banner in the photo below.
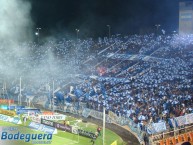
x=181, y=120
x=189, y=118
x=4, y=117
x=160, y=126
x=74, y=130
x=53, y=117
x=43, y=128
x=36, y=119
x=156, y=127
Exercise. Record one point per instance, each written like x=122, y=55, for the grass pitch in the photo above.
x=65, y=138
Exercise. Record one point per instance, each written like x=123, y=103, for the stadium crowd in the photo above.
x=147, y=78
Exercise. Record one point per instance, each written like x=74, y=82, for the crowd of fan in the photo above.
x=151, y=89
x=145, y=78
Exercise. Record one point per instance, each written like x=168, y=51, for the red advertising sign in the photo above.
x=47, y=113
x=6, y=101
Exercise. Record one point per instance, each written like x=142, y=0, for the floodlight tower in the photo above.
x=109, y=29
x=157, y=27
x=77, y=31
x=38, y=33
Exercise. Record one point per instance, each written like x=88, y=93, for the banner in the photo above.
x=7, y=112
x=86, y=133
x=47, y=129
x=119, y=120
x=15, y=120
x=96, y=114
x=15, y=107
x=43, y=128
x=6, y=101
x=27, y=110
x=63, y=127
x=160, y=126
x=74, y=130
x=35, y=119
x=57, y=125
x=53, y=117
x=4, y=117
x=47, y=113
x=34, y=125
x=48, y=122
x=156, y=127
x=189, y=118
x=150, y=129
x=180, y=120
x=112, y=116
x=86, y=112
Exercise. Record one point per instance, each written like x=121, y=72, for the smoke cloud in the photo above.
x=19, y=55
x=15, y=18
x=15, y=29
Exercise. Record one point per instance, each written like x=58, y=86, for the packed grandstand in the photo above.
x=143, y=81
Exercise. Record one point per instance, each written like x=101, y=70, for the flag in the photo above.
x=57, y=90
x=71, y=88
x=172, y=122
x=114, y=143
x=163, y=31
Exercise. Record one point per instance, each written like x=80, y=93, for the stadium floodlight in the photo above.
x=38, y=29
x=38, y=33
x=109, y=28
x=77, y=31
x=157, y=27
x=174, y=32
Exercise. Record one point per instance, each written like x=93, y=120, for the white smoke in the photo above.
x=15, y=20
x=15, y=27
x=18, y=56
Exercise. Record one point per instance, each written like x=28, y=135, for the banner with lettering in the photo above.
x=86, y=133
x=48, y=122
x=63, y=127
x=53, y=117
x=156, y=127
x=6, y=101
x=7, y=112
x=43, y=127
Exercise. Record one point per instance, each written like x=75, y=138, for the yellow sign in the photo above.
x=7, y=112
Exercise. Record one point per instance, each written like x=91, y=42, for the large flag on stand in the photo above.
x=114, y=143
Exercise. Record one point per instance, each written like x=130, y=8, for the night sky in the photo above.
x=93, y=16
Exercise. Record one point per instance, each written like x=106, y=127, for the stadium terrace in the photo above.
x=142, y=78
